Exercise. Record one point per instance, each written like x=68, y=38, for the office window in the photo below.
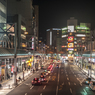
x=2, y=8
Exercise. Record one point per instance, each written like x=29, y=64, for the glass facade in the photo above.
x=2, y=13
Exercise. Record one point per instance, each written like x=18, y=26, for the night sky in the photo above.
x=55, y=13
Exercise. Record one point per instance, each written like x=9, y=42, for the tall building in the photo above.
x=21, y=12
x=3, y=17
x=36, y=15
x=53, y=39
x=3, y=12
x=72, y=39
x=24, y=8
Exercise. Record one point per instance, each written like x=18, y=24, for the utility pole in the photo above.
x=90, y=68
x=15, y=54
x=81, y=53
x=34, y=40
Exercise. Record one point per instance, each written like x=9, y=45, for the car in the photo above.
x=36, y=81
x=92, y=84
x=57, y=66
x=42, y=78
x=87, y=80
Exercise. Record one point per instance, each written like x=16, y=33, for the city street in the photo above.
x=65, y=80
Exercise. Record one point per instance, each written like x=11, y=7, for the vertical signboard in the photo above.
x=50, y=38
x=32, y=42
x=70, y=39
x=0, y=71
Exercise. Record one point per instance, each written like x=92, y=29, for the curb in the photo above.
x=84, y=72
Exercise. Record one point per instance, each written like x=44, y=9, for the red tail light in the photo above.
x=38, y=81
x=44, y=79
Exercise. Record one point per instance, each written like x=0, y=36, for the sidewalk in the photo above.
x=86, y=72
x=8, y=85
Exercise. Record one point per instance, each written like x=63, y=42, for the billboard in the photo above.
x=51, y=38
x=70, y=52
x=71, y=49
x=70, y=28
x=32, y=42
x=70, y=45
x=70, y=39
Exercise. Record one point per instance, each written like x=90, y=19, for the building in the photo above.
x=21, y=29
x=20, y=12
x=72, y=39
x=25, y=9
x=53, y=39
x=36, y=15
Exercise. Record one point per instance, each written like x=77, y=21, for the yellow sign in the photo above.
x=70, y=45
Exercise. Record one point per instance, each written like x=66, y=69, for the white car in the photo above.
x=92, y=84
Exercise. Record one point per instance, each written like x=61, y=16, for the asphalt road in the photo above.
x=67, y=80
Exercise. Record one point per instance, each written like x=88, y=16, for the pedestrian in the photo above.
x=0, y=85
x=20, y=78
x=3, y=76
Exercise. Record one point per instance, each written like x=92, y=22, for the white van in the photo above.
x=92, y=84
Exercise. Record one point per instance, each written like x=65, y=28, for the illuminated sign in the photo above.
x=75, y=49
x=50, y=38
x=80, y=35
x=70, y=49
x=64, y=28
x=70, y=28
x=32, y=42
x=70, y=52
x=70, y=45
x=70, y=33
x=64, y=36
x=64, y=46
x=70, y=39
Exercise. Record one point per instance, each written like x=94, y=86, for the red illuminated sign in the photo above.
x=70, y=39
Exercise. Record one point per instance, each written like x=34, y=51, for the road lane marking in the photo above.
x=47, y=81
x=85, y=91
x=31, y=87
x=60, y=89
x=69, y=83
x=66, y=75
x=67, y=78
x=49, y=76
x=41, y=94
x=74, y=83
x=25, y=93
x=63, y=83
x=44, y=87
x=78, y=79
x=80, y=84
x=58, y=77
x=56, y=90
x=70, y=90
x=75, y=75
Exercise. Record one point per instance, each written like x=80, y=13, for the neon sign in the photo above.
x=70, y=39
